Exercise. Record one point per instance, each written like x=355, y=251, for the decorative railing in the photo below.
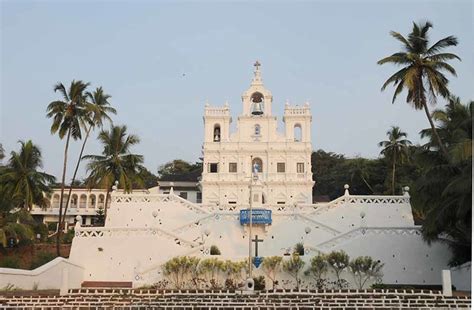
x=217, y=111
x=297, y=110
x=118, y=232
x=156, y=198
x=361, y=199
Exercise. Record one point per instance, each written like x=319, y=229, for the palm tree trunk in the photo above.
x=106, y=201
x=75, y=171
x=58, y=235
x=435, y=132
x=393, y=172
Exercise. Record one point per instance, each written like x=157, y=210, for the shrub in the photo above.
x=67, y=237
x=52, y=226
x=10, y=262
x=318, y=269
x=176, y=270
x=233, y=271
x=42, y=258
x=271, y=266
x=210, y=268
x=259, y=283
x=299, y=249
x=293, y=266
x=215, y=250
x=364, y=268
x=338, y=261
x=41, y=229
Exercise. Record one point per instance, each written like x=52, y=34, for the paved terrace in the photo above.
x=225, y=299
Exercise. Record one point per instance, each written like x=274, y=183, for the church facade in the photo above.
x=283, y=159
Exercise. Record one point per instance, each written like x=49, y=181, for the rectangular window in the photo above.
x=280, y=167
x=183, y=195
x=300, y=167
x=166, y=193
x=213, y=167
x=198, y=197
x=232, y=202
x=233, y=167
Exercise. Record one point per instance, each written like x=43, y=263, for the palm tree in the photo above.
x=116, y=162
x=97, y=111
x=443, y=193
x=22, y=182
x=423, y=70
x=69, y=116
x=395, y=147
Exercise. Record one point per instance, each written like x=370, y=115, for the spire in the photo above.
x=257, y=78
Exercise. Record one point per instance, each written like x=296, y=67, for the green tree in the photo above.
x=422, y=74
x=2, y=152
x=293, y=267
x=179, y=170
x=338, y=261
x=21, y=181
x=177, y=270
x=69, y=116
x=396, y=148
x=442, y=195
x=97, y=110
x=271, y=266
x=116, y=162
x=365, y=268
x=318, y=269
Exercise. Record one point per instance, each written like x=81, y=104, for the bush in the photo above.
x=42, y=258
x=215, y=250
x=293, y=266
x=10, y=262
x=317, y=270
x=41, y=229
x=67, y=237
x=259, y=283
x=365, y=268
x=52, y=226
x=338, y=261
x=299, y=249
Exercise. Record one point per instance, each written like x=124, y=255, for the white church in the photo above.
x=256, y=166
x=283, y=158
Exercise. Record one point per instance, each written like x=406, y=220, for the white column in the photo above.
x=447, y=289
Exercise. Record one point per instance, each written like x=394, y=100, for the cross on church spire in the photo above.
x=257, y=79
x=257, y=65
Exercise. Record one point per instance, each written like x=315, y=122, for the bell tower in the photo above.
x=257, y=100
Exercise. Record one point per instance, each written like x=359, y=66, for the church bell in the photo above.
x=257, y=108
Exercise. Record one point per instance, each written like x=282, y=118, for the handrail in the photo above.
x=93, y=232
x=363, y=230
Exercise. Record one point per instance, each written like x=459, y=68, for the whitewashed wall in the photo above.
x=48, y=276
x=143, y=231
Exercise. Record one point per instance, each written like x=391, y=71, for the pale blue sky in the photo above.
x=324, y=52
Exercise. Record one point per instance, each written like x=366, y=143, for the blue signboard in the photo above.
x=257, y=260
x=259, y=216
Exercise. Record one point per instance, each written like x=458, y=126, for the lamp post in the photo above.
x=250, y=217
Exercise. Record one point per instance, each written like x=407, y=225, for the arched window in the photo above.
x=83, y=201
x=55, y=201
x=257, y=164
x=217, y=133
x=92, y=201
x=297, y=133
x=101, y=201
x=73, y=201
x=257, y=130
